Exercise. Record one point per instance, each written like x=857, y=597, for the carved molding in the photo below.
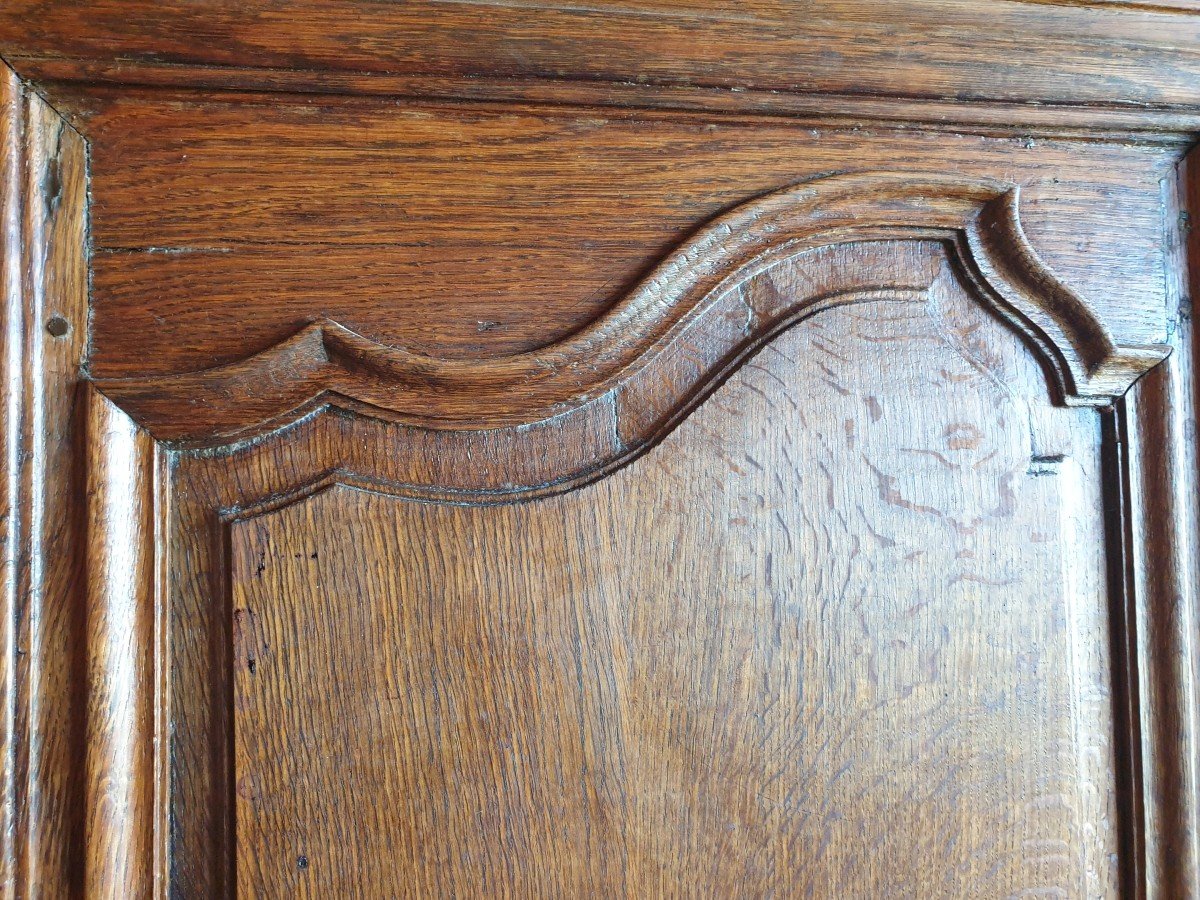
x=109, y=636
x=327, y=364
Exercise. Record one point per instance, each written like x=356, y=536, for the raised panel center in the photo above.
x=822, y=638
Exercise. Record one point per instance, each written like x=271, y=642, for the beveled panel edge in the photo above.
x=326, y=362
x=517, y=482
x=125, y=837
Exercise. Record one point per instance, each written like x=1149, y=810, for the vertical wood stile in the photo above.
x=1159, y=428
x=121, y=583
x=43, y=198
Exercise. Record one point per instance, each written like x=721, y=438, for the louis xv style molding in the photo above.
x=122, y=488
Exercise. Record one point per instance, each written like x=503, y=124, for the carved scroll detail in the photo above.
x=327, y=364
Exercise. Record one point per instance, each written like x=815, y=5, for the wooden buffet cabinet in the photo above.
x=484, y=448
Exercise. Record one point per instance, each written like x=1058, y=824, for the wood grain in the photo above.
x=44, y=321
x=696, y=284
x=545, y=449
x=122, y=740
x=1106, y=53
x=380, y=456
x=1162, y=530
x=222, y=228
x=715, y=672
x=73, y=84
x=11, y=165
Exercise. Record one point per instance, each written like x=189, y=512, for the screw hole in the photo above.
x=302, y=862
x=58, y=326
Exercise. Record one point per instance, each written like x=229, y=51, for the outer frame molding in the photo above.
x=1158, y=468
x=328, y=364
x=1131, y=54
x=43, y=320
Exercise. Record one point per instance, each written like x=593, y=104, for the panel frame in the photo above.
x=124, y=846
x=43, y=320
x=1082, y=58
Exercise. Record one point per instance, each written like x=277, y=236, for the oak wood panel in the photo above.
x=929, y=660
x=1104, y=53
x=221, y=228
x=840, y=594
x=334, y=448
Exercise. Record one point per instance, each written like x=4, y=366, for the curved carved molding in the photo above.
x=327, y=364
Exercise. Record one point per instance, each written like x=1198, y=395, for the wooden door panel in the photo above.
x=867, y=573
x=516, y=449
x=781, y=599
x=814, y=607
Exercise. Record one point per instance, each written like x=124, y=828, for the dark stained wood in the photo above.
x=44, y=325
x=510, y=448
x=1102, y=53
x=977, y=221
x=224, y=228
